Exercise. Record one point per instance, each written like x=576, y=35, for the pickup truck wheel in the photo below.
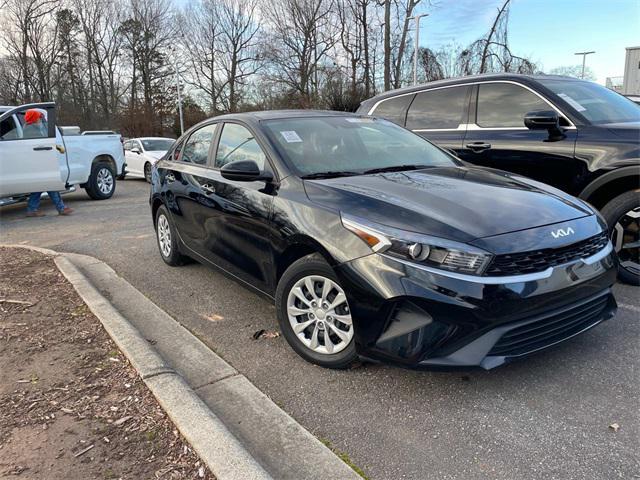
x=102, y=182
x=623, y=217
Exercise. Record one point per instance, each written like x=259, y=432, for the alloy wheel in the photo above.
x=625, y=238
x=105, y=180
x=164, y=236
x=319, y=314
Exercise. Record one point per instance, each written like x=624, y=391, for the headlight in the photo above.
x=418, y=248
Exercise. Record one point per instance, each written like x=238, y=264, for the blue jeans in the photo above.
x=34, y=201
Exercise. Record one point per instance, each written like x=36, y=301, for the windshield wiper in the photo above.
x=395, y=168
x=330, y=174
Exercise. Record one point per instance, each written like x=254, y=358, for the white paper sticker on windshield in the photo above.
x=291, y=136
x=572, y=102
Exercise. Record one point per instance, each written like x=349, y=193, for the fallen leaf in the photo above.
x=614, y=426
x=120, y=421
x=213, y=317
x=265, y=334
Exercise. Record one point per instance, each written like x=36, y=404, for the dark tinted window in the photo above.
x=505, y=105
x=196, y=150
x=8, y=129
x=394, y=109
x=441, y=108
x=157, y=144
x=237, y=143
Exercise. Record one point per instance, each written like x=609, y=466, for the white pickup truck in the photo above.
x=53, y=161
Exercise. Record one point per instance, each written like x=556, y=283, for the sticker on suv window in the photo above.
x=291, y=136
x=572, y=102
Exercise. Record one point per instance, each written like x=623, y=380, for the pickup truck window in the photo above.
x=439, y=108
x=9, y=129
x=505, y=105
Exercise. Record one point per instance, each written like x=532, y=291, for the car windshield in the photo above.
x=596, y=103
x=351, y=145
x=159, y=144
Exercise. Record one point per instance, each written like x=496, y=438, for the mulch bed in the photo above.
x=71, y=406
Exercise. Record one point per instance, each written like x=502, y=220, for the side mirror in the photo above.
x=244, y=171
x=136, y=150
x=545, y=120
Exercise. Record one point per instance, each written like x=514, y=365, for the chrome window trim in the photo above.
x=527, y=277
x=475, y=126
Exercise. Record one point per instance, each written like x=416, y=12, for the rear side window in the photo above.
x=196, y=150
x=394, y=109
x=9, y=129
x=440, y=108
x=505, y=105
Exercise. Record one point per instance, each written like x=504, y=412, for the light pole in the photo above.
x=584, y=58
x=175, y=64
x=415, y=52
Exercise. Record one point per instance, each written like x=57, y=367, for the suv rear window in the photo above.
x=439, y=108
x=505, y=105
x=394, y=109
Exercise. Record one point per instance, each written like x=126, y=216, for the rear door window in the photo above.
x=196, y=150
x=394, y=109
x=504, y=105
x=442, y=108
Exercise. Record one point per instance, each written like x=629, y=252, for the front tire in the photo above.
x=147, y=172
x=102, y=181
x=314, y=314
x=167, y=239
x=623, y=217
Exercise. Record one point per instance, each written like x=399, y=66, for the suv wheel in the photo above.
x=623, y=217
x=314, y=314
x=167, y=239
x=102, y=181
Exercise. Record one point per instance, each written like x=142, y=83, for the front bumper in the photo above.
x=421, y=317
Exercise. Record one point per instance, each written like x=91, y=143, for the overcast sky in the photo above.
x=547, y=31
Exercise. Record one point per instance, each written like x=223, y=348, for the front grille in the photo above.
x=539, y=260
x=552, y=328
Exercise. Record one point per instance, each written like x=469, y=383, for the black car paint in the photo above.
x=254, y=230
x=573, y=163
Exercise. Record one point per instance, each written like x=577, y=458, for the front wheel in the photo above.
x=167, y=239
x=102, y=181
x=623, y=217
x=147, y=172
x=314, y=314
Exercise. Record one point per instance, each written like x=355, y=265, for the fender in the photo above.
x=628, y=171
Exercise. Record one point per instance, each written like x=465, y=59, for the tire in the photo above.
x=102, y=181
x=147, y=172
x=167, y=239
x=623, y=217
x=335, y=351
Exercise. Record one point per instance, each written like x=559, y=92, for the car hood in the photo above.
x=457, y=203
x=157, y=154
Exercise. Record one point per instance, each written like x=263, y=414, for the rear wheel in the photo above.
x=102, y=181
x=314, y=314
x=623, y=217
x=167, y=239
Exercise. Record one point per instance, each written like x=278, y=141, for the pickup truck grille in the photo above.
x=539, y=260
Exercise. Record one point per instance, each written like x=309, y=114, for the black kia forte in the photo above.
x=376, y=244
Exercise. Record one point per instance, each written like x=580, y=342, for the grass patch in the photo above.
x=344, y=457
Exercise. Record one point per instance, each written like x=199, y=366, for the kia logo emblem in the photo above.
x=562, y=232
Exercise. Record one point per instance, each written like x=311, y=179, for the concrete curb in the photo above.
x=236, y=429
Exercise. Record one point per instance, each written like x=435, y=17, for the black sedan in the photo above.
x=376, y=244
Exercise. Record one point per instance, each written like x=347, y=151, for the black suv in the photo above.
x=575, y=135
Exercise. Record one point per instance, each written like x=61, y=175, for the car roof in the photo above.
x=472, y=79
x=281, y=114
x=151, y=138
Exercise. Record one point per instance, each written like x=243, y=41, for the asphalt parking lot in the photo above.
x=546, y=417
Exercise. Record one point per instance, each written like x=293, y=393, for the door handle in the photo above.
x=170, y=178
x=42, y=147
x=478, y=146
x=208, y=188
